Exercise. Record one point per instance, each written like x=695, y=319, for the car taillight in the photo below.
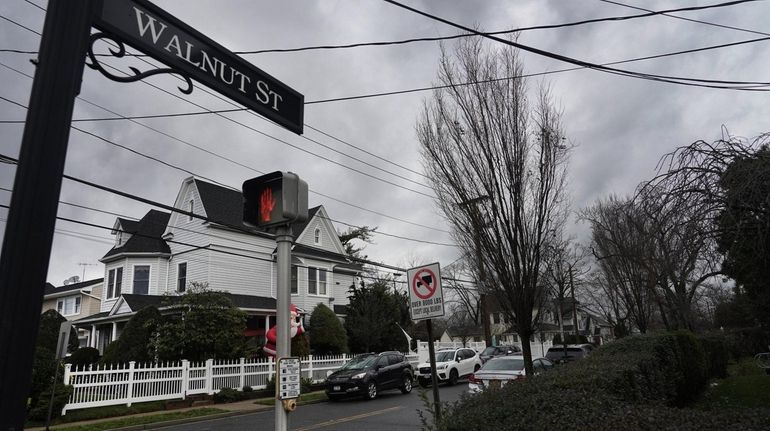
x=472, y=379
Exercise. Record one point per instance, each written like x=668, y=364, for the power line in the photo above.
x=10, y=160
x=667, y=13
x=693, y=82
x=210, y=153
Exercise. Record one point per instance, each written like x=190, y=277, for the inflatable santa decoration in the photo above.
x=295, y=329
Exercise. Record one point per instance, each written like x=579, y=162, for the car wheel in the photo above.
x=453, y=376
x=371, y=391
x=423, y=382
x=406, y=386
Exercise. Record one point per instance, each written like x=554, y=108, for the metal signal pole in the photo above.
x=284, y=239
x=32, y=215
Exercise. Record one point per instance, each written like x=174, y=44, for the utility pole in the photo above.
x=284, y=239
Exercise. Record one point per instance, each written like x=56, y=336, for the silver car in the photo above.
x=501, y=370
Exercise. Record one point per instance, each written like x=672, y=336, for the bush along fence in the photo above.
x=638, y=382
x=105, y=385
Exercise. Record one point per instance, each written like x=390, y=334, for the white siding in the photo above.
x=329, y=239
x=243, y=266
x=108, y=303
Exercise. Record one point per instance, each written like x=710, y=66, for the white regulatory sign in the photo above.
x=289, y=381
x=426, y=299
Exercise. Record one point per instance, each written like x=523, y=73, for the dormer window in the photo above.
x=317, y=236
x=120, y=238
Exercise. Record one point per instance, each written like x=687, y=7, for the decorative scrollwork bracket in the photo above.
x=137, y=74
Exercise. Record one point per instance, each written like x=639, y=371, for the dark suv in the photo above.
x=370, y=373
x=494, y=351
x=573, y=352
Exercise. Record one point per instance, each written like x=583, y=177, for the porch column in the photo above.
x=267, y=323
x=92, y=338
x=114, y=331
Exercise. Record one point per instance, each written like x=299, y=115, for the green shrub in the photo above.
x=134, y=343
x=60, y=399
x=646, y=417
x=83, y=356
x=247, y=389
x=747, y=341
x=717, y=354
x=228, y=395
x=327, y=335
x=652, y=370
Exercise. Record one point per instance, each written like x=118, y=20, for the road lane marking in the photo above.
x=348, y=419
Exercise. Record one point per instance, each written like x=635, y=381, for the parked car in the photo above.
x=495, y=351
x=451, y=365
x=573, y=352
x=503, y=369
x=368, y=374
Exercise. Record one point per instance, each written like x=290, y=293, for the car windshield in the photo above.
x=445, y=356
x=360, y=362
x=489, y=351
x=504, y=364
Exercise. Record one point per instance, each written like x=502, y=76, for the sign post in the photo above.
x=426, y=301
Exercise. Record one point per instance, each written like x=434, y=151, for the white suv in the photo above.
x=450, y=366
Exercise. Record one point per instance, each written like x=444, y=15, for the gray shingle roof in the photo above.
x=51, y=289
x=146, y=238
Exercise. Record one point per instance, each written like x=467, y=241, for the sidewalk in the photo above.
x=232, y=409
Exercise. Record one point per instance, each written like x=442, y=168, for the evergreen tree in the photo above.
x=135, y=342
x=374, y=313
x=327, y=336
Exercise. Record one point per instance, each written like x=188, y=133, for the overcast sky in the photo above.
x=619, y=125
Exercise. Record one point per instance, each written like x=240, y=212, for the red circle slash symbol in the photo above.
x=266, y=204
x=424, y=283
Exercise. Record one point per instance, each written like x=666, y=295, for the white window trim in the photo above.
x=149, y=279
x=329, y=281
x=76, y=307
x=186, y=277
x=317, y=236
x=192, y=208
x=107, y=287
x=295, y=267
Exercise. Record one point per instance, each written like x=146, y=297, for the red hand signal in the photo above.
x=266, y=204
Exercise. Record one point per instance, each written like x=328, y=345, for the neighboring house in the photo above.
x=159, y=256
x=590, y=325
x=75, y=301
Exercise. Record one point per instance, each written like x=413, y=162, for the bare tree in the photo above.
x=485, y=140
x=460, y=297
x=621, y=252
x=564, y=268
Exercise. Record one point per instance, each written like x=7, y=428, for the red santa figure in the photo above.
x=295, y=329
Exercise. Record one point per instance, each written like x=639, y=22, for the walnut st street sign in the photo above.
x=154, y=31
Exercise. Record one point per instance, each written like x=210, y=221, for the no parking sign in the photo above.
x=426, y=299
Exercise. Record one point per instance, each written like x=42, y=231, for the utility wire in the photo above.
x=10, y=160
x=648, y=13
x=694, y=82
x=667, y=13
x=414, y=90
x=210, y=153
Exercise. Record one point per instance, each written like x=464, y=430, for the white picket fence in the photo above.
x=105, y=385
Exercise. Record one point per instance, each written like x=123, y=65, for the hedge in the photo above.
x=658, y=372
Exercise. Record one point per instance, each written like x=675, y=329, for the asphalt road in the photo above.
x=391, y=410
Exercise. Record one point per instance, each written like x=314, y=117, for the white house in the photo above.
x=156, y=258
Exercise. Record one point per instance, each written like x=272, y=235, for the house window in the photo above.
x=114, y=282
x=181, y=277
x=294, y=285
x=192, y=206
x=141, y=279
x=317, y=236
x=316, y=281
x=68, y=306
x=120, y=238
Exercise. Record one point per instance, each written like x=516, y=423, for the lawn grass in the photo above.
x=303, y=398
x=140, y=420
x=79, y=415
x=747, y=386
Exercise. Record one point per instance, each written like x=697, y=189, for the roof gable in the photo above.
x=147, y=237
